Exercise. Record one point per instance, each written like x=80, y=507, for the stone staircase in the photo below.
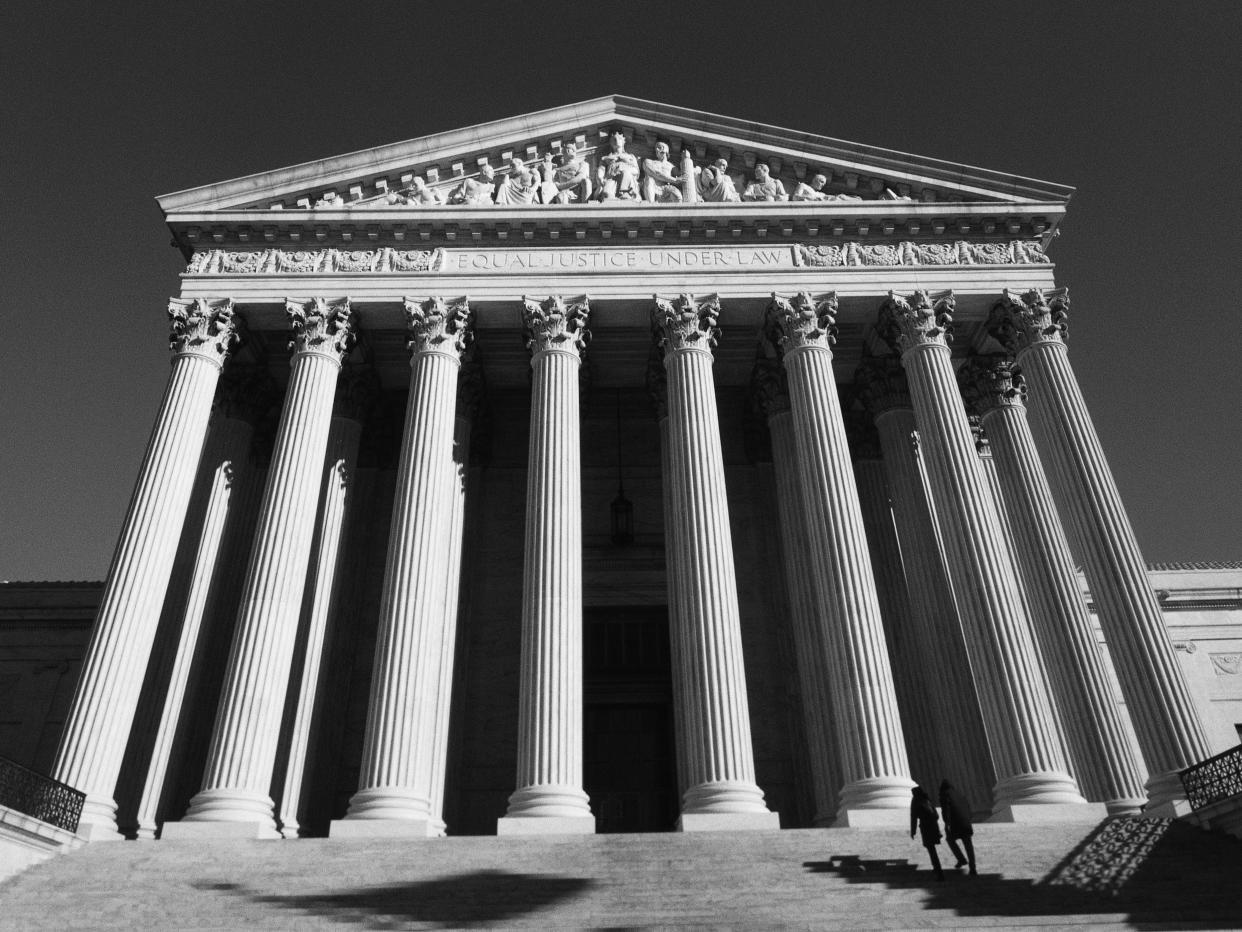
x=1122, y=873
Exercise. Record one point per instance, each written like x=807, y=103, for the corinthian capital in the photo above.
x=769, y=386
x=686, y=324
x=202, y=328
x=880, y=384
x=1035, y=316
x=553, y=325
x=990, y=382
x=924, y=319
x=438, y=327
x=321, y=326
x=802, y=321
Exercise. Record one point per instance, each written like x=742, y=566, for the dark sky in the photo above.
x=107, y=105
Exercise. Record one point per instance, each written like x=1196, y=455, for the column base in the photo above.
x=1043, y=788
x=98, y=820
x=197, y=831
x=1123, y=806
x=724, y=797
x=1036, y=814
x=549, y=801
x=1166, y=796
x=389, y=804
x=872, y=818
x=381, y=828
x=227, y=806
x=729, y=822
x=545, y=825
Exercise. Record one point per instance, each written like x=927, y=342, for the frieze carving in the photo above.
x=990, y=382
x=802, y=321
x=1035, y=316
x=891, y=255
x=200, y=327
x=312, y=261
x=1227, y=664
x=321, y=326
x=556, y=326
x=437, y=326
x=924, y=319
x=880, y=384
x=686, y=324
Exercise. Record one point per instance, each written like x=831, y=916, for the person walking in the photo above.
x=957, y=825
x=923, y=819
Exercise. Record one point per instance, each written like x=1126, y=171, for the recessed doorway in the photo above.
x=629, y=760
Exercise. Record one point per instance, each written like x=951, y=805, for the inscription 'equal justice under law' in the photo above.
x=606, y=260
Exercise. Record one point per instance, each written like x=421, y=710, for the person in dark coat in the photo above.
x=957, y=825
x=923, y=818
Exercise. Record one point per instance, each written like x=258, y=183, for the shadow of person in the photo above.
x=487, y=896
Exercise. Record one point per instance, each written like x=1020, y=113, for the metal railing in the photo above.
x=1214, y=779
x=42, y=797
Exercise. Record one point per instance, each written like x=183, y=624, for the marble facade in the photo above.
x=374, y=544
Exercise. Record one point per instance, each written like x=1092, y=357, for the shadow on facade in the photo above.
x=1155, y=871
x=487, y=897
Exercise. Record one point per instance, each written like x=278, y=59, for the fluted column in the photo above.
x=549, y=796
x=92, y=745
x=240, y=399
x=357, y=391
x=814, y=669
x=1030, y=766
x=721, y=792
x=1099, y=744
x=470, y=393
x=657, y=389
x=934, y=618
x=1170, y=735
x=394, y=786
x=914, y=680
x=234, y=799
x=864, y=702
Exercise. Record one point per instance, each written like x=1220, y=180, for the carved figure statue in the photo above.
x=476, y=191
x=618, y=171
x=715, y=185
x=567, y=180
x=520, y=186
x=815, y=191
x=416, y=195
x=764, y=187
x=660, y=182
x=329, y=200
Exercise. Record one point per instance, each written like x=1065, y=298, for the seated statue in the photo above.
x=764, y=187
x=618, y=171
x=416, y=195
x=567, y=180
x=520, y=186
x=714, y=182
x=476, y=191
x=815, y=191
x=660, y=182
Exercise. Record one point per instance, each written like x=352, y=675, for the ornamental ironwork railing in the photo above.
x=1214, y=779
x=42, y=797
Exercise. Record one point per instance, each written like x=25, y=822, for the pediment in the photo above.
x=381, y=179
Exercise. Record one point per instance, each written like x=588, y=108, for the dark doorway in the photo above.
x=629, y=765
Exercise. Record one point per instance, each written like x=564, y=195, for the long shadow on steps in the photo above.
x=1162, y=874
x=487, y=896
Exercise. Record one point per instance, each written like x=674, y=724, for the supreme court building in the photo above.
x=621, y=467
